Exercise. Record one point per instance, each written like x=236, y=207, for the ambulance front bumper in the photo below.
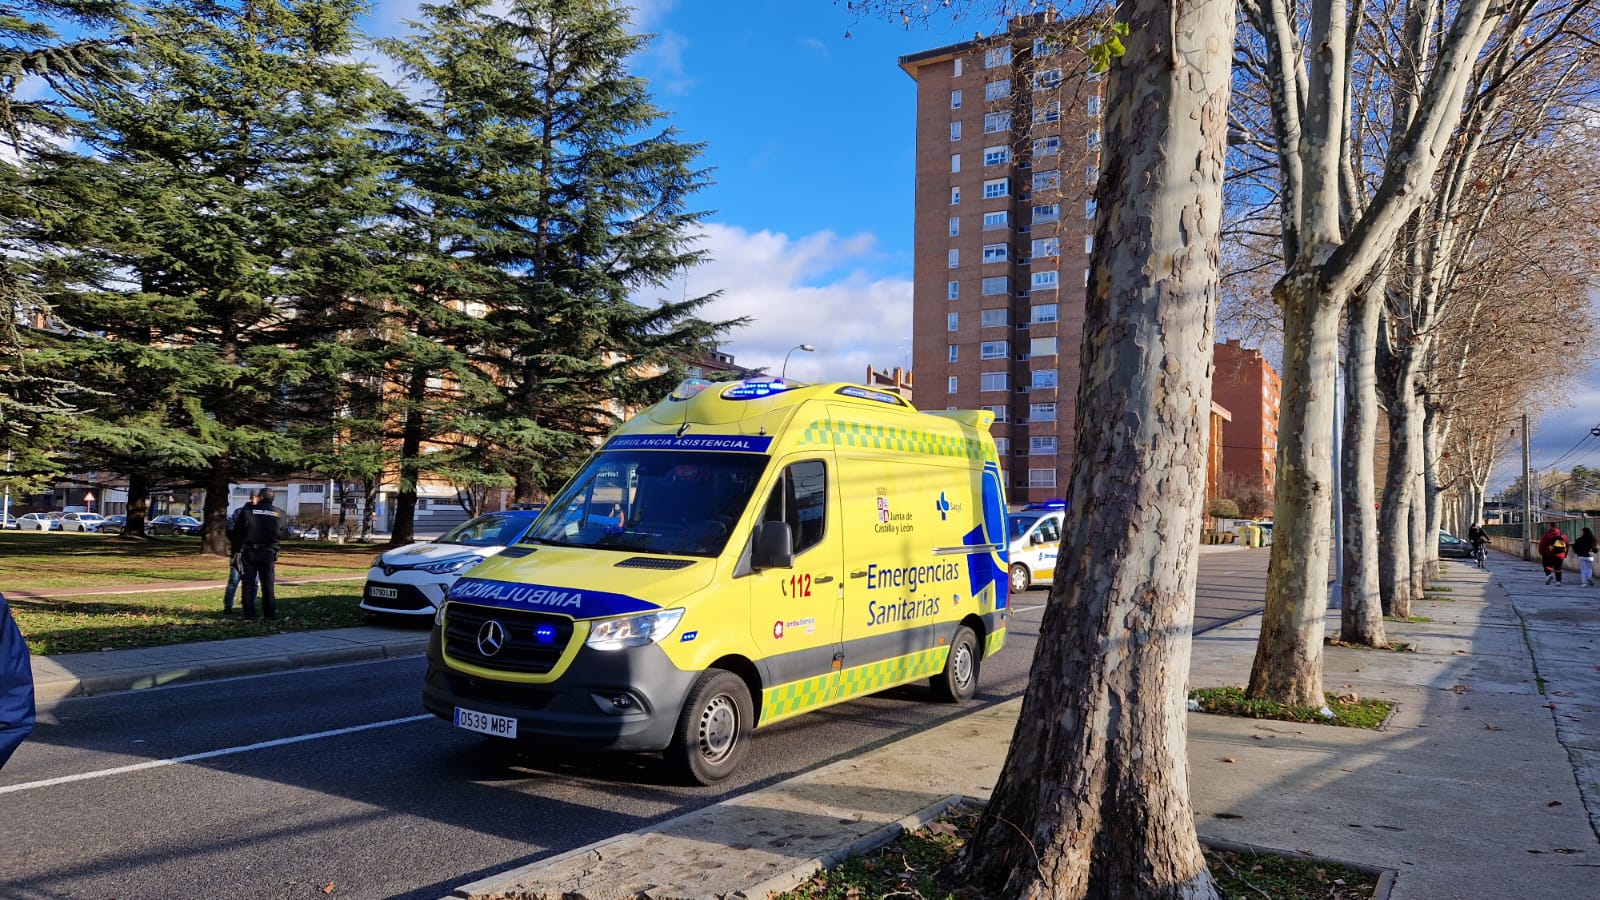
x=624, y=700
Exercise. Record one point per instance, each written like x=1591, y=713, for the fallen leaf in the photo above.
x=328, y=888
x=1553, y=803
x=1488, y=727
x=1563, y=693
x=1227, y=759
x=1461, y=689
x=942, y=828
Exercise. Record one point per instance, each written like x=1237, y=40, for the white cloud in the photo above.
x=664, y=64
x=808, y=290
x=817, y=48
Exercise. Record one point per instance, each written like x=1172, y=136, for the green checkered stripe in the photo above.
x=993, y=643
x=788, y=700
x=835, y=433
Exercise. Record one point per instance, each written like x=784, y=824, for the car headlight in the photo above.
x=633, y=631
x=376, y=561
x=451, y=566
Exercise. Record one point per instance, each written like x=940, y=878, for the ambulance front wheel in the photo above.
x=959, y=680
x=714, y=728
x=1020, y=579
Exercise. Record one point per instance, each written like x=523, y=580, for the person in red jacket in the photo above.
x=1553, y=553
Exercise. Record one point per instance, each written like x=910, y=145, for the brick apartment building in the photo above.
x=1245, y=383
x=1008, y=140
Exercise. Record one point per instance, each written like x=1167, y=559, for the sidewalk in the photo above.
x=1479, y=786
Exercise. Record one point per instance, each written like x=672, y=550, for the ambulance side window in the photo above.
x=800, y=498
x=1049, y=531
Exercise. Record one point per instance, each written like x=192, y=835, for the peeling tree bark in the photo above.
x=1361, y=613
x=1093, y=800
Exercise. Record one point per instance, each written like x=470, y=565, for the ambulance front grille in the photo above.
x=532, y=644
x=654, y=562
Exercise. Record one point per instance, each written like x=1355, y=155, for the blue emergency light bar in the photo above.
x=756, y=389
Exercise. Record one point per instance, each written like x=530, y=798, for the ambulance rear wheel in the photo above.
x=1020, y=579
x=959, y=680
x=714, y=728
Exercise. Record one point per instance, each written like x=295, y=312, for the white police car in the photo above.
x=412, y=580
x=1035, y=535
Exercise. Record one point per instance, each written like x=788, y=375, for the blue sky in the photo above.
x=811, y=137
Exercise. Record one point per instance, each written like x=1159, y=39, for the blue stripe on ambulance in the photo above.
x=579, y=603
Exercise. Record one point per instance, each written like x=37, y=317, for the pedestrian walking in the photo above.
x=257, y=537
x=234, y=562
x=1553, y=553
x=1584, y=548
x=16, y=685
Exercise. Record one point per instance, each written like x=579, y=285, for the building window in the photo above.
x=1086, y=274
x=1041, y=412
x=955, y=353
x=996, y=56
x=1047, y=112
x=955, y=259
x=1089, y=208
x=955, y=225
x=955, y=196
x=1049, y=180
x=1046, y=146
x=996, y=188
x=999, y=412
x=1002, y=446
x=956, y=71
x=994, y=318
x=952, y=388
x=952, y=322
x=992, y=381
x=955, y=131
x=1044, y=312
x=1047, y=247
x=1091, y=175
x=996, y=156
x=1094, y=141
x=1094, y=106
x=1047, y=212
x=1045, y=47
x=994, y=349
x=1041, y=446
x=955, y=99
x=1042, y=346
x=996, y=285
x=955, y=162
x=998, y=219
x=1045, y=379
x=954, y=289
x=997, y=90
x=1041, y=478
x=996, y=122
x=1088, y=244
x=1045, y=281
x=1046, y=79
x=993, y=253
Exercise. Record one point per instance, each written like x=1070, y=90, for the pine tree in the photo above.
x=209, y=238
x=544, y=194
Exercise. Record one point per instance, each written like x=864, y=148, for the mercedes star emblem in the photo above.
x=491, y=637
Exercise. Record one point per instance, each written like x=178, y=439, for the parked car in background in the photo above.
x=38, y=522
x=112, y=524
x=8, y=522
x=1452, y=547
x=173, y=525
x=412, y=580
x=81, y=521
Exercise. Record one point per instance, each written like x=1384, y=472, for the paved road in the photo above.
x=289, y=783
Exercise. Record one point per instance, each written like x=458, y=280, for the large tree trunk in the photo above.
x=1432, y=492
x=214, y=518
x=1361, y=609
x=1396, y=540
x=1288, y=661
x=138, y=505
x=1094, y=796
x=405, y=501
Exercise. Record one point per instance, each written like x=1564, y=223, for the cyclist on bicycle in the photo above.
x=1479, y=539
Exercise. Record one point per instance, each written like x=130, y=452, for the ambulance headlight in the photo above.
x=633, y=631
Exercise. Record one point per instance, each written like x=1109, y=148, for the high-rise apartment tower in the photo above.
x=1008, y=138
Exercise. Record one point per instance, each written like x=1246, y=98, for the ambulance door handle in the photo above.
x=822, y=579
x=860, y=574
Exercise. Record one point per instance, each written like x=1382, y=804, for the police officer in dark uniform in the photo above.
x=256, y=535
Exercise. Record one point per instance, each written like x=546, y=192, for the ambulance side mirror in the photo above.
x=774, y=546
x=1036, y=538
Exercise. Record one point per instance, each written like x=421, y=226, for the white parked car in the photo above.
x=1035, y=535
x=412, y=580
x=38, y=522
x=81, y=521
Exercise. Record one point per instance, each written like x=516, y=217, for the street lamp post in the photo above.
x=806, y=347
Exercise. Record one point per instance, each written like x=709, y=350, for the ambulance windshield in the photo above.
x=682, y=503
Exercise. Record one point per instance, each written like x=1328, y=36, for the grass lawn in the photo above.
x=38, y=562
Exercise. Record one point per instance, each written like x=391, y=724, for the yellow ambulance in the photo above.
x=736, y=555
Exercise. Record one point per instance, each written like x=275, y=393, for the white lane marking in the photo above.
x=1022, y=609
x=209, y=754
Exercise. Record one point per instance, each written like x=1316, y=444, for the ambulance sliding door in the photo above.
x=794, y=612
